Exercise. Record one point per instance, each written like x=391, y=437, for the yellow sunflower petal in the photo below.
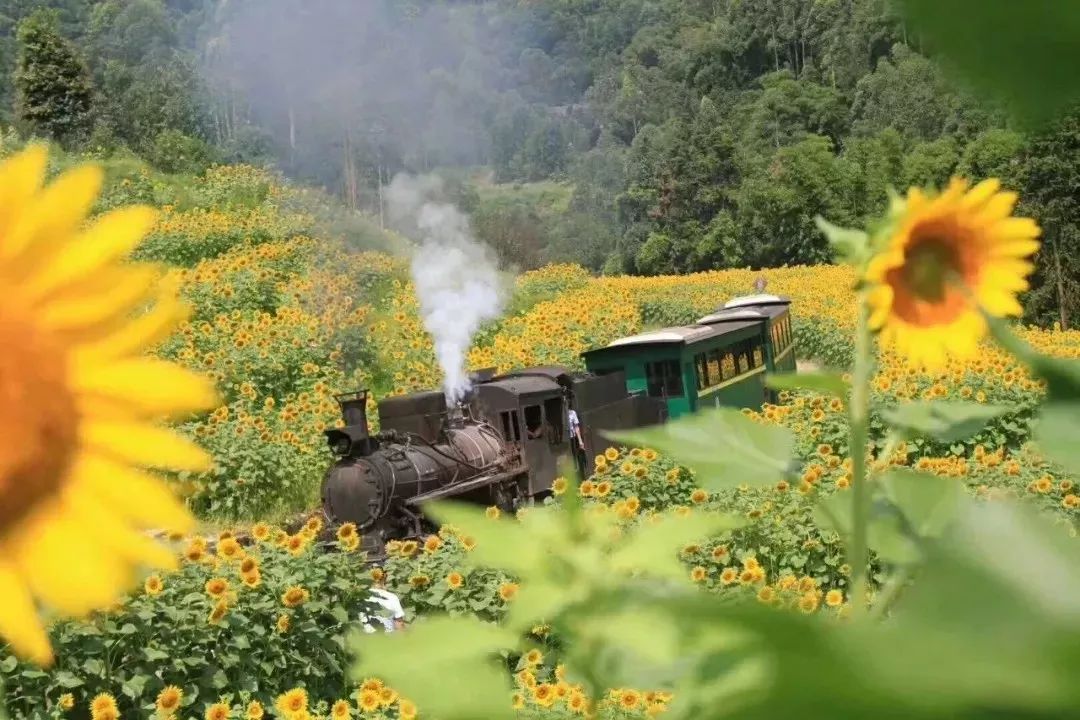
x=147, y=385
x=21, y=175
x=63, y=564
x=118, y=537
x=19, y=623
x=144, y=445
x=982, y=192
x=88, y=312
x=999, y=302
x=56, y=212
x=136, y=336
x=110, y=238
x=143, y=499
x=998, y=207
x=880, y=300
x=1016, y=228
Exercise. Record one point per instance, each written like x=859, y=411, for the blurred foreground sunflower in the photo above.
x=944, y=257
x=77, y=398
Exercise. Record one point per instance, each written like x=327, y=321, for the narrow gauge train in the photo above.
x=501, y=446
x=719, y=360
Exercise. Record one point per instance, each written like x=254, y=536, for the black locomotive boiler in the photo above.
x=502, y=445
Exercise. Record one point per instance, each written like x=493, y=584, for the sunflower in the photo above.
x=508, y=591
x=66, y=702
x=260, y=531
x=454, y=580
x=217, y=587
x=254, y=711
x=103, y=707
x=492, y=513
x=217, y=711
x=218, y=613
x=946, y=256
x=168, y=700
x=387, y=696
x=699, y=496
x=292, y=702
x=282, y=624
x=346, y=531
x=370, y=700
x=517, y=701
x=80, y=402
x=834, y=598
x=153, y=585
x=230, y=549
x=611, y=454
x=295, y=596
x=249, y=565
x=534, y=657
x=252, y=579
x=350, y=544
x=698, y=574
x=544, y=694
x=629, y=699
x=431, y=544
x=340, y=710
x=559, y=486
x=406, y=710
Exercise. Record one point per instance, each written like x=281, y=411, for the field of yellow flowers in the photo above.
x=283, y=317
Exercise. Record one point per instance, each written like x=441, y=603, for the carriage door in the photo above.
x=538, y=453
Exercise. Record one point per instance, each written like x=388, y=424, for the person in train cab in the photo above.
x=534, y=426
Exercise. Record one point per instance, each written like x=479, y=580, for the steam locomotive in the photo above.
x=501, y=445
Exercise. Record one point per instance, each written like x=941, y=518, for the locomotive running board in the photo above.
x=459, y=488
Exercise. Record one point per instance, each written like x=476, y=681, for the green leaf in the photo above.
x=833, y=512
x=339, y=614
x=887, y=538
x=1062, y=376
x=946, y=421
x=725, y=447
x=500, y=543
x=442, y=664
x=653, y=547
x=1019, y=53
x=928, y=502
x=134, y=686
x=9, y=663
x=155, y=655
x=67, y=679
x=1057, y=432
x=851, y=246
x=823, y=382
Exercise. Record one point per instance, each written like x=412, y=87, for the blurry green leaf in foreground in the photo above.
x=1057, y=434
x=945, y=421
x=823, y=382
x=723, y=446
x=445, y=665
x=653, y=546
x=1062, y=376
x=1021, y=53
x=928, y=502
x=850, y=246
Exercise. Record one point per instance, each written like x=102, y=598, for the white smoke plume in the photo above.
x=456, y=276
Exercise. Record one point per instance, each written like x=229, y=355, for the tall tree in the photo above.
x=52, y=82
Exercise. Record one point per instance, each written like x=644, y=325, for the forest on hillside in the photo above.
x=631, y=136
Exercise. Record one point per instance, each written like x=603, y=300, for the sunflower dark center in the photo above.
x=929, y=264
x=37, y=419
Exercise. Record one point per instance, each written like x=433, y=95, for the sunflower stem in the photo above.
x=859, y=415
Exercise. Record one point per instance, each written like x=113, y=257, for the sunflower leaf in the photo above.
x=947, y=421
x=1062, y=376
x=654, y=546
x=928, y=502
x=1020, y=53
x=851, y=246
x=724, y=446
x=445, y=665
x=1057, y=430
x=824, y=382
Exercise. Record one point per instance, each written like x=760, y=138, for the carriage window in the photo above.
x=534, y=421
x=787, y=328
x=511, y=429
x=759, y=356
x=715, y=376
x=664, y=379
x=727, y=365
x=553, y=411
x=701, y=369
x=743, y=355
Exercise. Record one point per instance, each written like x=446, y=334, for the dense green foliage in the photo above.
x=52, y=81
x=653, y=136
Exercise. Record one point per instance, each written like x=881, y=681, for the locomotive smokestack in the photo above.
x=354, y=410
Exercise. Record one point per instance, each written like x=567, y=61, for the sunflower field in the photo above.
x=283, y=317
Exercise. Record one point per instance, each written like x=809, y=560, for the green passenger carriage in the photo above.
x=719, y=360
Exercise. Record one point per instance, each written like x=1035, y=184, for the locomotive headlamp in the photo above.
x=341, y=445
